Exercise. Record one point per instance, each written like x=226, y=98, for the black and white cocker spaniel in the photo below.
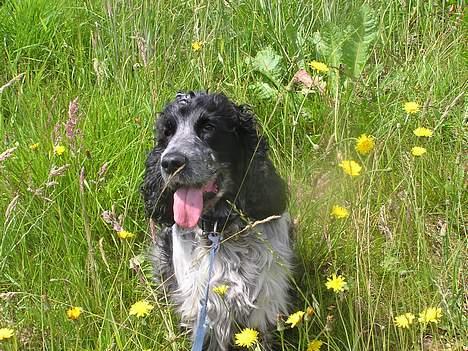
x=210, y=170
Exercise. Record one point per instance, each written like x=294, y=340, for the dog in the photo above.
x=209, y=171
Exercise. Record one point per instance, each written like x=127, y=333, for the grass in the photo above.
x=402, y=249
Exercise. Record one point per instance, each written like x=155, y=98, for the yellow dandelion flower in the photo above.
x=319, y=66
x=339, y=212
x=314, y=345
x=337, y=283
x=423, y=132
x=6, y=333
x=34, y=146
x=418, y=151
x=123, y=234
x=246, y=337
x=295, y=318
x=59, y=150
x=141, y=308
x=364, y=144
x=197, y=46
x=221, y=289
x=350, y=167
x=430, y=315
x=404, y=320
x=411, y=107
x=74, y=313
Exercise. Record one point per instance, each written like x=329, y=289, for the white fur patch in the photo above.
x=256, y=267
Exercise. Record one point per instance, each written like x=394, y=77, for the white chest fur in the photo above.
x=255, y=265
x=183, y=242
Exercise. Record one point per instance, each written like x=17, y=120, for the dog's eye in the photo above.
x=208, y=127
x=168, y=129
x=167, y=132
x=205, y=127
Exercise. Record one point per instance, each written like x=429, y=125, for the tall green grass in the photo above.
x=403, y=247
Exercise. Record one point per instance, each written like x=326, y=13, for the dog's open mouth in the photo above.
x=188, y=203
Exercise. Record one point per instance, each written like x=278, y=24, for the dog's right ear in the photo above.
x=264, y=193
x=158, y=199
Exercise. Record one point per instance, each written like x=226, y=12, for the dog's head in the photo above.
x=208, y=156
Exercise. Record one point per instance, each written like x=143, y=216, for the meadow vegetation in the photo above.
x=81, y=83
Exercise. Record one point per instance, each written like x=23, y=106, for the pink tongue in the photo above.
x=188, y=206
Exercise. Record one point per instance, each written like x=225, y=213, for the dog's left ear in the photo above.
x=158, y=199
x=263, y=192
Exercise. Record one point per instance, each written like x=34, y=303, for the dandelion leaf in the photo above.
x=328, y=44
x=360, y=36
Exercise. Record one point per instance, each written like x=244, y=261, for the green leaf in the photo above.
x=266, y=60
x=361, y=35
x=264, y=90
x=328, y=43
x=268, y=63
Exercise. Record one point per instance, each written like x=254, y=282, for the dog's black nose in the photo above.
x=173, y=161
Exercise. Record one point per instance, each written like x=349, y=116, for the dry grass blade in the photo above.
x=58, y=171
x=70, y=127
x=103, y=255
x=11, y=82
x=383, y=224
x=7, y=153
x=142, y=49
x=8, y=295
x=103, y=170
x=11, y=207
x=111, y=218
x=153, y=230
x=448, y=108
x=252, y=225
x=39, y=192
x=82, y=179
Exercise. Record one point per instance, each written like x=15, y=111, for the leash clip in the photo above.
x=214, y=237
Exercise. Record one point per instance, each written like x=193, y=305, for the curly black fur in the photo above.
x=258, y=191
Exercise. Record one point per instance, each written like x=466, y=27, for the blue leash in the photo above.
x=202, y=322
